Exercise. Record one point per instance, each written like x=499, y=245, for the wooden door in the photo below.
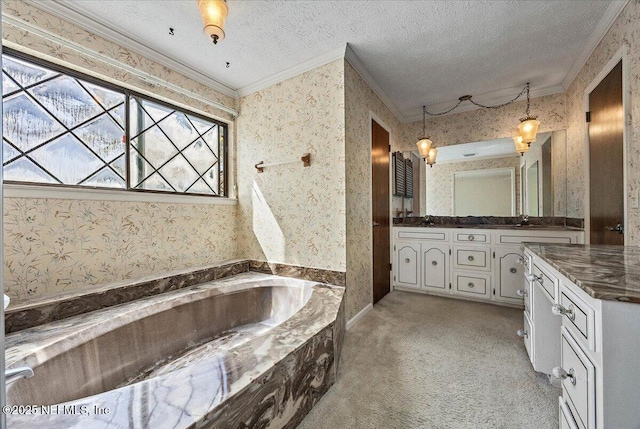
x=380, y=208
x=606, y=181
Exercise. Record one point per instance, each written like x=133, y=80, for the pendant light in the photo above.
x=424, y=144
x=528, y=127
x=431, y=157
x=214, y=13
x=521, y=147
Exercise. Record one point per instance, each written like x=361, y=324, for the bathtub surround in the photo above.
x=274, y=353
x=34, y=312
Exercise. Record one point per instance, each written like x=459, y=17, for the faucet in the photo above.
x=14, y=374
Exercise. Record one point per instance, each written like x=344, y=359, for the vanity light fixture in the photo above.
x=214, y=13
x=521, y=147
x=424, y=143
x=528, y=127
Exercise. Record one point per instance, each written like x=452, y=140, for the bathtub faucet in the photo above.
x=14, y=374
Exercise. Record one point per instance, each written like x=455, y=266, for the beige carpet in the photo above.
x=418, y=361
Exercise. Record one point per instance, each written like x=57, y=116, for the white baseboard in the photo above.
x=355, y=319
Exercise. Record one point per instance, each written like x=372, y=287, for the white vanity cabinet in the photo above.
x=476, y=264
x=595, y=345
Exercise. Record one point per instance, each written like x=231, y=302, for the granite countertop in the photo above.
x=487, y=226
x=604, y=272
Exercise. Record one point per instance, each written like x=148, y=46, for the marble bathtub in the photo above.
x=252, y=350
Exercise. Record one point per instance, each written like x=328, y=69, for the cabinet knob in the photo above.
x=471, y=258
x=513, y=270
x=521, y=292
x=471, y=285
x=561, y=374
x=407, y=260
x=533, y=278
x=471, y=238
x=434, y=263
x=559, y=310
x=522, y=333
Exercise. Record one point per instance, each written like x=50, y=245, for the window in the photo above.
x=63, y=129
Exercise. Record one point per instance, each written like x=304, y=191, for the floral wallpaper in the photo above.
x=54, y=245
x=440, y=182
x=625, y=32
x=359, y=101
x=289, y=213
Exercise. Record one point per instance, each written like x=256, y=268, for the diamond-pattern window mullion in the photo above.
x=154, y=123
x=62, y=129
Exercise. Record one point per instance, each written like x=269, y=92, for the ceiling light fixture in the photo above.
x=424, y=143
x=214, y=13
x=527, y=129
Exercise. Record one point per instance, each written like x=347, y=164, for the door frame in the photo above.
x=379, y=121
x=620, y=55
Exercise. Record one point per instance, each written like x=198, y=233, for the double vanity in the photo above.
x=479, y=261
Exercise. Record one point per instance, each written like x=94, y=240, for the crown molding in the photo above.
x=94, y=24
x=495, y=97
x=355, y=62
x=601, y=29
x=300, y=68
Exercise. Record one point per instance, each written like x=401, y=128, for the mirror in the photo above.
x=533, y=196
x=489, y=178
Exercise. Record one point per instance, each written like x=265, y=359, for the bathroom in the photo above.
x=223, y=214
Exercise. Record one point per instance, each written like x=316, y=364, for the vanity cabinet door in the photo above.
x=509, y=274
x=407, y=264
x=435, y=267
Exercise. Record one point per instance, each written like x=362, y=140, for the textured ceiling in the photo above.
x=418, y=52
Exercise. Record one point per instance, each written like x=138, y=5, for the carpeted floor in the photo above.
x=418, y=361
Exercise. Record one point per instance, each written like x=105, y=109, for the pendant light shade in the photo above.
x=214, y=13
x=521, y=147
x=424, y=144
x=431, y=157
x=528, y=129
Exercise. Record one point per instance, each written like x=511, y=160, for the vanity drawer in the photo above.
x=421, y=234
x=578, y=386
x=472, y=237
x=549, y=282
x=471, y=284
x=578, y=317
x=515, y=238
x=470, y=258
x=566, y=419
